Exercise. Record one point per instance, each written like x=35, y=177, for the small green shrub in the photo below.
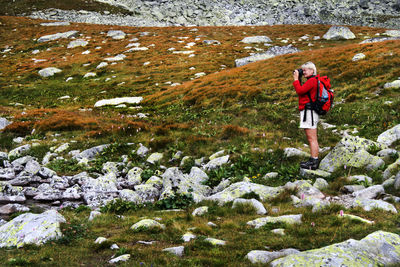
x=120, y=206
x=178, y=201
x=71, y=231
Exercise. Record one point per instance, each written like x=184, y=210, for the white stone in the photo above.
x=121, y=258
x=178, y=251
x=90, y=74
x=188, y=236
x=358, y=57
x=200, y=211
x=338, y=33
x=77, y=43
x=100, y=240
x=119, y=57
x=395, y=84
x=119, y=100
x=258, y=206
x=117, y=35
x=102, y=65
x=56, y=36
x=256, y=39
x=50, y=71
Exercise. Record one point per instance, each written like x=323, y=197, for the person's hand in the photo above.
x=295, y=75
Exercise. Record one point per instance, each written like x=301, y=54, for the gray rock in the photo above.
x=4, y=123
x=352, y=151
x=155, y=158
x=130, y=196
x=397, y=182
x=121, y=258
x=239, y=189
x=221, y=186
x=117, y=35
x=12, y=208
x=31, y=228
x=72, y=193
x=352, y=188
x=91, y=153
x=57, y=23
x=294, y=152
x=48, y=72
x=77, y=43
x=97, y=199
x=379, y=39
x=134, y=177
x=264, y=257
x=358, y=57
x=142, y=151
x=216, y=163
x=7, y=173
x=370, y=204
x=147, y=192
x=200, y=211
x=339, y=33
x=178, y=251
x=147, y=224
x=387, y=154
x=320, y=184
x=271, y=176
x=258, y=206
x=392, y=169
x=211, y=42
x=46, y=173
x=17, y=152
x=33, y=167
x=256, y=39
x=314, y=173
x=270, y=53
x=304, y=189
x=215, y=242
x=359, y=179
x=56, y=36
x=390, y=136
x=188, y=236
x=393, y=33
x=370, y=192
x=11, y=194
x=94, y=214
x=288, y=219
x=377, y=249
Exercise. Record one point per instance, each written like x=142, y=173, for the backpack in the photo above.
x=324, y=98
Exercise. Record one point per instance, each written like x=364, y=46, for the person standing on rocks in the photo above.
x=308, y=117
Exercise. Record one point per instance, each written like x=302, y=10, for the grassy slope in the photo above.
x=236, y=109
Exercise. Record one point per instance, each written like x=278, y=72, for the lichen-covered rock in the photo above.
x=262, y=256
x=215, y=163
x=304, y=189
x=338, y=33
x=155, y=158
x=387, y=154
x=316, y=203
x=314, y=173
x=370, y=204
x=294, y=152
x=147, y=192
x=147, y=224
x=178, y=251
x=392, y=170
x=390, y=136
x=155, y=181
x=320, y=184
x=237, y=190
x=377, y=249
x=257, y=205
x=31, y=228
x=134, y=177
x=359, y=179
x=130, y=195
x=11, y=194
x=142, y=151
x=352, y=151
x=17, y=152
x=355, y=218
x=91, y=153
x=288, y=219
x=4, y=123
x=176, y=182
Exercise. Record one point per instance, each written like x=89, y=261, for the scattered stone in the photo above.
x=4, y=123
x=271, y=176
x=393, y=33
x=272, y=52
x=370, y=204
x=392, y=135
x=212, y=42
x=339, y=33
x=117, y=35
x=358, y=57
x=355, y=218
x=200, y=211
x=379, y=39
x=56, y=36
x=147, y=224
x=119, y=57
x=215, y=242
x=155, y=158
x=77, y=43
x=57, y=23
x=256, y=39
x=178, y=251
x=320, y=184
x=89, y=74
x=100, y=240
x=216, y=163
x=12, y=208
x=257, y=205
x=94, y=214
x=294, y=152
x=188, y=236
x=314, y=173
x=121, y=258
x=48, y=72
x=119, y=100
x=370, y=192
x=395, y=84
x=288, y=219
x=279, y=231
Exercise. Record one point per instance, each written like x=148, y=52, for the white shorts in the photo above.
x=308, y=123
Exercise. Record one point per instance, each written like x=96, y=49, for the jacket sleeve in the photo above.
x=306, y=87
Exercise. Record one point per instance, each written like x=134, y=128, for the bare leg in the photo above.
x=312, y=138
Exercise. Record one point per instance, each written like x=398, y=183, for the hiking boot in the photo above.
x=311, y=164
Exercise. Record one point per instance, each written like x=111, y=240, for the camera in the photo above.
x=300, y=72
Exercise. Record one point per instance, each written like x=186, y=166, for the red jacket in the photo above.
x=309, y=86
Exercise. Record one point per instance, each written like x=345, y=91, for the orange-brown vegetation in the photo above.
x=232, y=131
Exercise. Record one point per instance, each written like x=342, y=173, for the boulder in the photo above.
x=257, y=205
x=339, y=33
x=294, y=152
x=377, y=249
x=392, y=170
x=352, y=151
x=174, y=181
x=390, y=136
x=393, y=33
x=256, y=39
x=31, y=228
x=270, y=53
x=11, y=194
x=288, y=219
x=304, y=189
x=155, y=158
x=91, y=153
x=239, y=189
x=370, y=204
x=130, y=196
x=265, y=257
x=370, y=192
x=56, y=36
x=215, y=242
x=147, y=192
x=117, y=35
x=215, y=163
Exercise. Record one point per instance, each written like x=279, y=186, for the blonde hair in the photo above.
x=310, y=65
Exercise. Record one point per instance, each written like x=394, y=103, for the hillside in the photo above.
x=216, y=145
